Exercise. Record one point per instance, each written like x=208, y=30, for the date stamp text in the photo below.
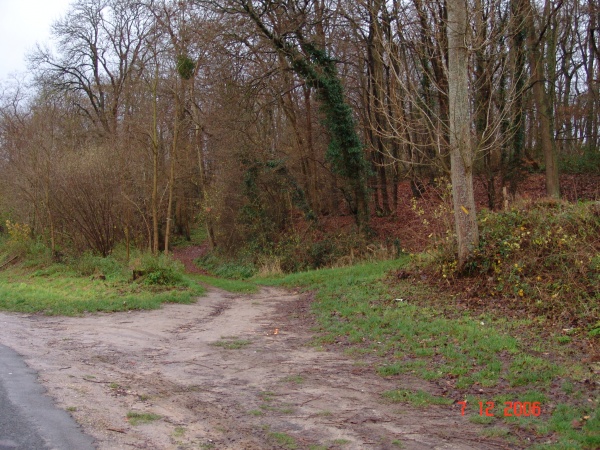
x=511, y=409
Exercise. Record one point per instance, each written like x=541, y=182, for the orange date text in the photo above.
x=511, y=409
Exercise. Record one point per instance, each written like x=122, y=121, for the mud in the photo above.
x=228, y=372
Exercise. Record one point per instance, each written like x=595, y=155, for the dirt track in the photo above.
x=166, y=362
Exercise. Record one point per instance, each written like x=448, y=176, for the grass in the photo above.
x=226, y=269
x=232, y=343
x=481, y=420
x=284, y=440
x=140, y=418
x=178, y=432
x=495, y=432
x=207, y=445
x=58, y=292
x=296, y=379
x=91, y=284
x=415, y=329
x=229, y=285
x=416, y=398
x=267, y=396
x=355, y=305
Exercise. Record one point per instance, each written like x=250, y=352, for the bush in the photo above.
x=542, y=256
x=294, y=252
x=90, y=265
x=19, y=242
x=588, y=162
x=237, y=270
x=161, y=270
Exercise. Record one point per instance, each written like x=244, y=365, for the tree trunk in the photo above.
x=154, y=200
x=544, y=109
x=177, y=118
x=377, y=103
x=461, y=154
x=517, y=124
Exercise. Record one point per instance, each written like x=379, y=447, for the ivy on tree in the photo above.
x=345, y=151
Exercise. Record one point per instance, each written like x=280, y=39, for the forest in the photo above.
x=426, y=172
x=262, y=119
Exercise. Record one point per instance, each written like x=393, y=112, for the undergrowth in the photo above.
x=33, y=280
x=541, y=257
x=296, y=252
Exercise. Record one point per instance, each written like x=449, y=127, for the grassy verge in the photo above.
x=57, y=291
x=36, y=284
x=402, y=327
x=229, y=285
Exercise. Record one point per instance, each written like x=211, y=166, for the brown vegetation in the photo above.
x=251, y=117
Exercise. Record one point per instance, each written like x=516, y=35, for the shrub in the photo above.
x=294, y=252
x=89, y=265
x=18, y=232
x=542, y=256
x=20, y=243
x=221, y=267
x=587, y=162
x=161, y=270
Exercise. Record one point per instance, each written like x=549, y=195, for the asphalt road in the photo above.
x=29, y=420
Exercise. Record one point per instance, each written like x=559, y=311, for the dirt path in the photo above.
x=258, y=396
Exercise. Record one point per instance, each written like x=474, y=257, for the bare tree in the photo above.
x=461, y=152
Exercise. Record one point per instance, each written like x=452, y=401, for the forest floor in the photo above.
x=416, y=223
x=228, y=372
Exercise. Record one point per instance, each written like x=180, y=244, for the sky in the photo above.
x=23, y=23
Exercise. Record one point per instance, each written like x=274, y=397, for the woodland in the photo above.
x=437, y=162
x=263, y=119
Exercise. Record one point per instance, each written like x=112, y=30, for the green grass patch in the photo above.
x=356, y=305
x=416, y=398
x=578, y=427
x=141, y=418
x=284, y=440
x=178, y=432
x=226, y=269
x=267, y=396
x=526, y=369
x=229, y=285
x=495, y=432
x=66, y=293
x=481, y=420
x=94, y=284
x=232, y=343
x=296, y=379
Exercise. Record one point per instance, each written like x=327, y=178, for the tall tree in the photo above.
x=461, y=153
x=312, y=62
x=543, y=101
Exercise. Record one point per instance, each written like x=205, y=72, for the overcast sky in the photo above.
x=22, y=24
